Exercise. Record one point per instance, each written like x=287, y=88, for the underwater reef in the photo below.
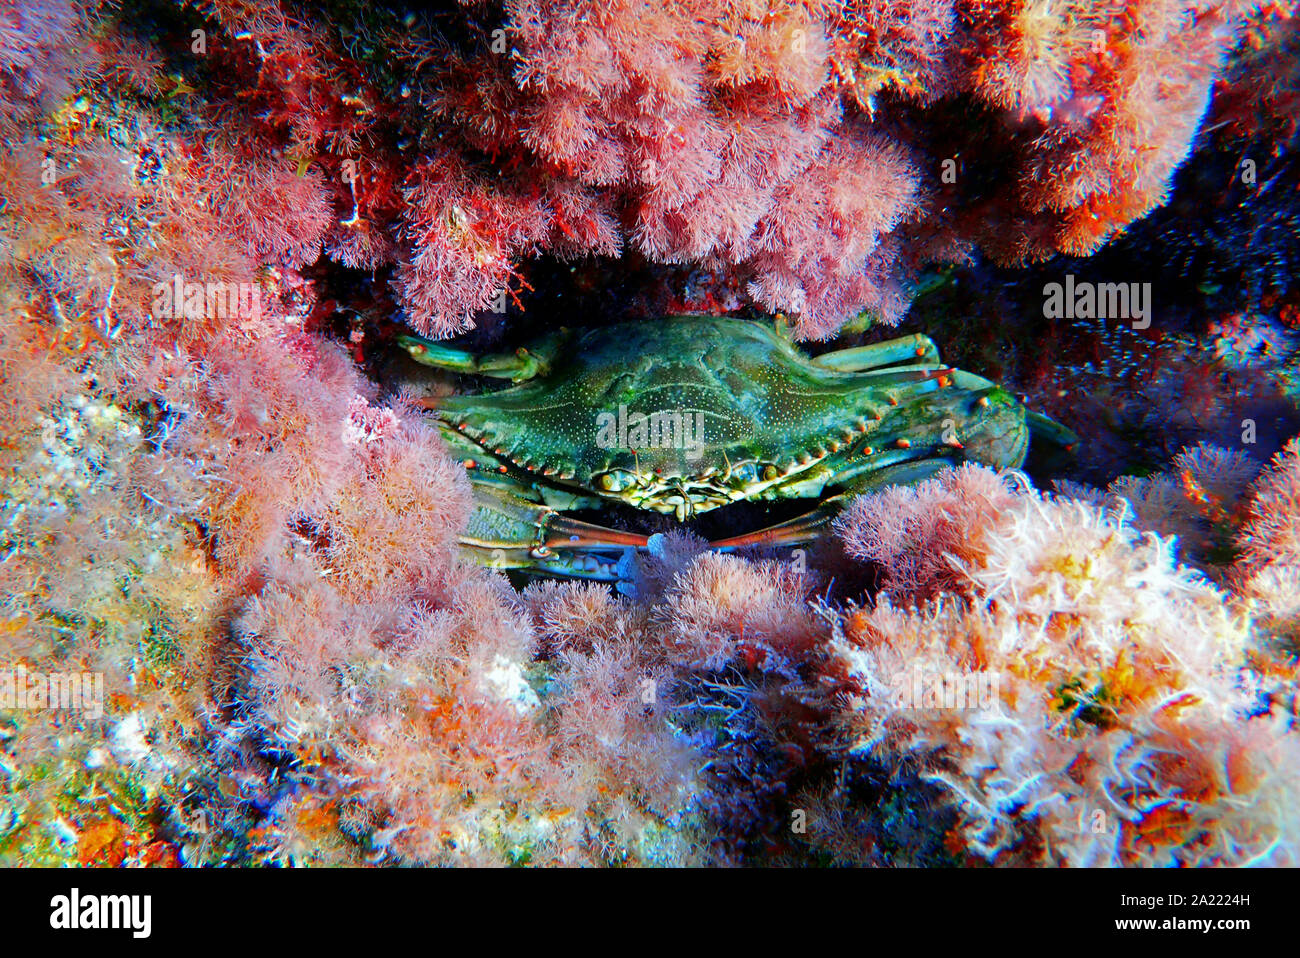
x=238, y=626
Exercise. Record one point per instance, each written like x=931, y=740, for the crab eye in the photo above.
x=769, y=473
x=615, y=481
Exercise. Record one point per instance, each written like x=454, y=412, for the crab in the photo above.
x=688, y=414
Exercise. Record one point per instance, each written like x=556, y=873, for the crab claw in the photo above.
x=804, y=529
x=563, y=532
x=507, y=531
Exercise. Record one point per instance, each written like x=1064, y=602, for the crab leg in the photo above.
x=515, y=527
x=904, y=350
x=810, y=526
x=518, y=366
x=507, y=531
x=1044, y=427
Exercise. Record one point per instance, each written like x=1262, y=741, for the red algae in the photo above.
x=232, y=599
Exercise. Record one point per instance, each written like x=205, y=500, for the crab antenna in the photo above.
x=687, y=508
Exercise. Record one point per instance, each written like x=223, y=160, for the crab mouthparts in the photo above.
x=676, y=497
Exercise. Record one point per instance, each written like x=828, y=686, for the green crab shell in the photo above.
x=702, y=411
